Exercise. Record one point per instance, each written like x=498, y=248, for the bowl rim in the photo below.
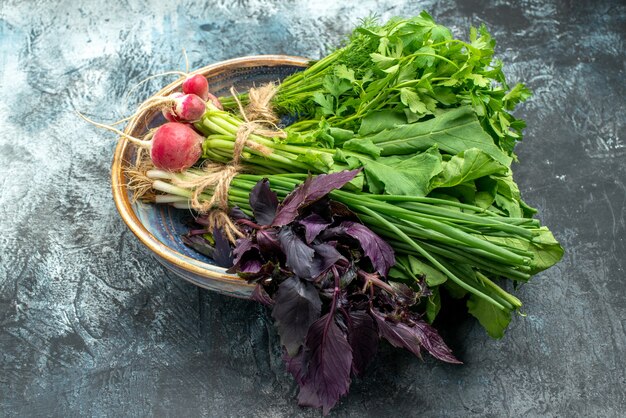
x=120, y=190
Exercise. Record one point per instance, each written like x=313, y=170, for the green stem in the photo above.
x=430, y=258
x=440, y=227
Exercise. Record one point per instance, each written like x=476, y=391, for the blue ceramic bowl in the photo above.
x=159, y=227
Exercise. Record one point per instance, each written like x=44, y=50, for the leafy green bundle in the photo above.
x=401, y=72
x=426, y=118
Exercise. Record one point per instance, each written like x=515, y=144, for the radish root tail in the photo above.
x=136, y=141
x=138, y=181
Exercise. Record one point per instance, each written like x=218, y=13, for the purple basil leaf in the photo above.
x=328, y=375
x=266, y=271
x=308, y=396
x=237, y=214
x=288, y=209
x=349, y=273
x=223, y=255
x=297, y=365
x=250, y=265
x=260, y=295
x=339, y=211
x=313, y=225
x=375, y=248
x=326, y=256
x=199, y=244
x=322, y=207
x=363, y=338
x=299, y=256
x=247, y=257
x=267, y=240
x=263, y=202
x=323, y=184
x=297, y=305
x=242, y=246
x=430, y=339
x=312, y=189
x=413, y=337
x=398, y=334
x=404, y=294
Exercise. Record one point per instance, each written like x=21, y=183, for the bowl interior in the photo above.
x=160, y=226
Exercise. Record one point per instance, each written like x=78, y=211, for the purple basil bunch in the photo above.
x=323, y=274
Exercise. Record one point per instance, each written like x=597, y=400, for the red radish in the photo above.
x=198, y=85
x=179, y=107
x=189, y=108
x=175, y=147
x=168, y=112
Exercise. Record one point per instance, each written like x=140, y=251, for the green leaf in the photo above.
x=440, y=33
x=451, y=82
x=402, y=176
x=465, y=192
x=429, y=102
x=483, y=200
x=383, y=62
x=411, y=99
x=320, y=161
x=393, y=69
x=453, y=130
x=487, y=188
x=518, y=93
x=336, y=86
x=426, y=59
x=510, y=206
x=326, y=103
x=383, y=46
x=345, y=73
x=494, y=320
x=466, y=166
x=433, y=305
x=408, y=72
x=376, y=87
x=545, y=248
x=363, y=146
x=507, y=186
x=340, y=135
x=399, y=274
x=411, y=117
x=434, y=277
x=425, y=19
x=341, y=157
x=445, y=95
x=397, y=48
x=305, y=138
x=479, y=80
x=528, y=211
x=377, y=121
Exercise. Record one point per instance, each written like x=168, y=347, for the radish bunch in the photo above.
x=175, y=146
x=189, y=106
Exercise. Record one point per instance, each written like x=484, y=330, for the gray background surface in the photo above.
x=91, y=325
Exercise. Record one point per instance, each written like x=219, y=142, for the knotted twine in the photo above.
x=259, y=119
